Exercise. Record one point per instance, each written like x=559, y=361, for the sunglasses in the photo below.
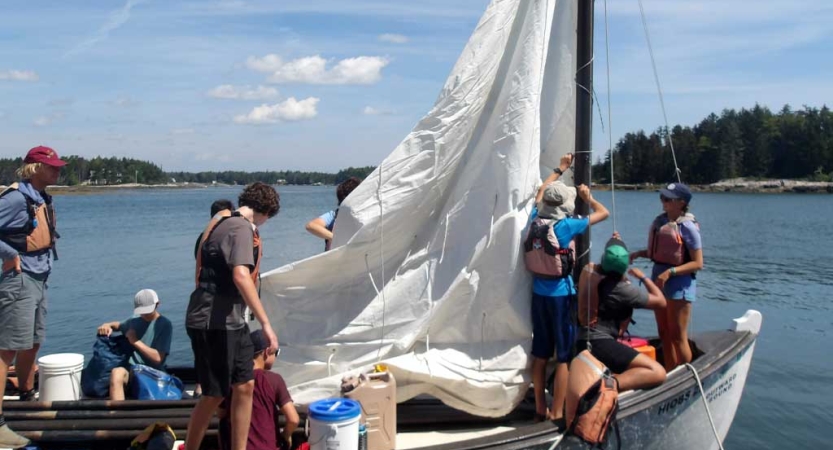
x=268, y=354
x=665, y=199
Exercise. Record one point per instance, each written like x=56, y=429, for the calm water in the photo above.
x=766, y=252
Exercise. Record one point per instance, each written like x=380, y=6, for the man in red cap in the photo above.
x=27, y=247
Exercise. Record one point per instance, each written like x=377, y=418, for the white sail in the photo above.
x=426, y=273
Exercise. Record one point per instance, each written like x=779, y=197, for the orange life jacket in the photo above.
x=592, y=399
x=665, y=242
x=38, y=233
x=543, y=256
x=212, y=225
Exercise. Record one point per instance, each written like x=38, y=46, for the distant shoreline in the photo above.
x=113, y=188
x=738, y=185
x=734, y=185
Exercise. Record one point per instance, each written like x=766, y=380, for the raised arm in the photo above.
x=599, y=213
x=566, y=162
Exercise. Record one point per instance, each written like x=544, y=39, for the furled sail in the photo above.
x=426, y=273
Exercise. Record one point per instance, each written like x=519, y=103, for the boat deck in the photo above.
x=422, y=422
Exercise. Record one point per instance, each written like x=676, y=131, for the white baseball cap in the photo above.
x=145, y=302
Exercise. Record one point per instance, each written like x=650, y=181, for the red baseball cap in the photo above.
x=44, y=155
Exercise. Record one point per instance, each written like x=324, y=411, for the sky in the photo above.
x=327, y=84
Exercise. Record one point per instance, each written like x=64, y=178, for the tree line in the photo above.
x=272, y=177
x=751, y=143
x=115, y=171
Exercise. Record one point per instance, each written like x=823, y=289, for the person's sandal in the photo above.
x=540, y=417
x=28, y=396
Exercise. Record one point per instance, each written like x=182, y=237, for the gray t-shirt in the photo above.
x=235, y=239
x=617, y=300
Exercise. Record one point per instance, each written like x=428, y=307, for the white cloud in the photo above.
x=227, y=91
x=43, y=121
x=182, y=131
x=116, y=20
x=371, y=111
x=314, y=70
x=288, y=110
x=18, y=75
x=393, y=38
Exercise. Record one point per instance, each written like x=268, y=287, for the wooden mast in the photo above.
x=584, y=120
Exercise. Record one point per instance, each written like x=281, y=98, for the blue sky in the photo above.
x=325, y=84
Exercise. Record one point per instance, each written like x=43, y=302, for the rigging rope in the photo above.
x=609, y=120
x=705, y=403
x=659, y=90
x=382, y=255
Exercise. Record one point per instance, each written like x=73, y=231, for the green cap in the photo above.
x=616, y=257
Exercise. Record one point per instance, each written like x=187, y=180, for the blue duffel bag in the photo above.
x=108, y=353
x=148, y=383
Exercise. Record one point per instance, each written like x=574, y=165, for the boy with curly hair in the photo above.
x=228, y=262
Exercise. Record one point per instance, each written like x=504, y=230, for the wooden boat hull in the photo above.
x=670, y=416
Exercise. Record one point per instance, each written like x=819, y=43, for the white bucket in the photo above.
x=334, y=424
x=60, y=376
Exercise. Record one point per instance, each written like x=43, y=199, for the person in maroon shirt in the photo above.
x=270, y=395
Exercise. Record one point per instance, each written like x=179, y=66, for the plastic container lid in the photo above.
x=61, y=360
x=633, y=341
x=335, y=409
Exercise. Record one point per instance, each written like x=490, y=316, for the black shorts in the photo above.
x=613, y=354
x=222, y=358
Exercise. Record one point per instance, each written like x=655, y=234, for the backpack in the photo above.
x=592, y=400
x=109, y=352
x=588, y=299
x=543, y=256
x=154, y=384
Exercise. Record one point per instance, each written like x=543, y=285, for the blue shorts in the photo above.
x=682, y=287
x=553, y=332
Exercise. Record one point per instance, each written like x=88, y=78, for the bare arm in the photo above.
x=292, y=421
x=317, y=227
x=692, y=266
x=656, y=299
x=685, y=269
x=107, y=328
x=243, y=280
x=599, y=213
x=638, y=254
x=565, y=163
x=148, y=353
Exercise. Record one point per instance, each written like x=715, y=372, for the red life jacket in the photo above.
x=543, y=256
x=665, y=242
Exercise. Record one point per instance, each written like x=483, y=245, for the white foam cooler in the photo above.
x=60, y=376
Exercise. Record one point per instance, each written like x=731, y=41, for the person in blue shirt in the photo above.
x=27, y=247
x=553, y=332
x=150, y=334
x=322, y=226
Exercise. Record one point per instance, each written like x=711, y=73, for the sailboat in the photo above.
x=426, y=275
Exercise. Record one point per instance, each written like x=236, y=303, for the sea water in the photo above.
x=767, y=252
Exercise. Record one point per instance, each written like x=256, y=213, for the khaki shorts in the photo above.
x=22, y=310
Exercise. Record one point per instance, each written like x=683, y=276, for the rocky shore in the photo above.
x=740, y=185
